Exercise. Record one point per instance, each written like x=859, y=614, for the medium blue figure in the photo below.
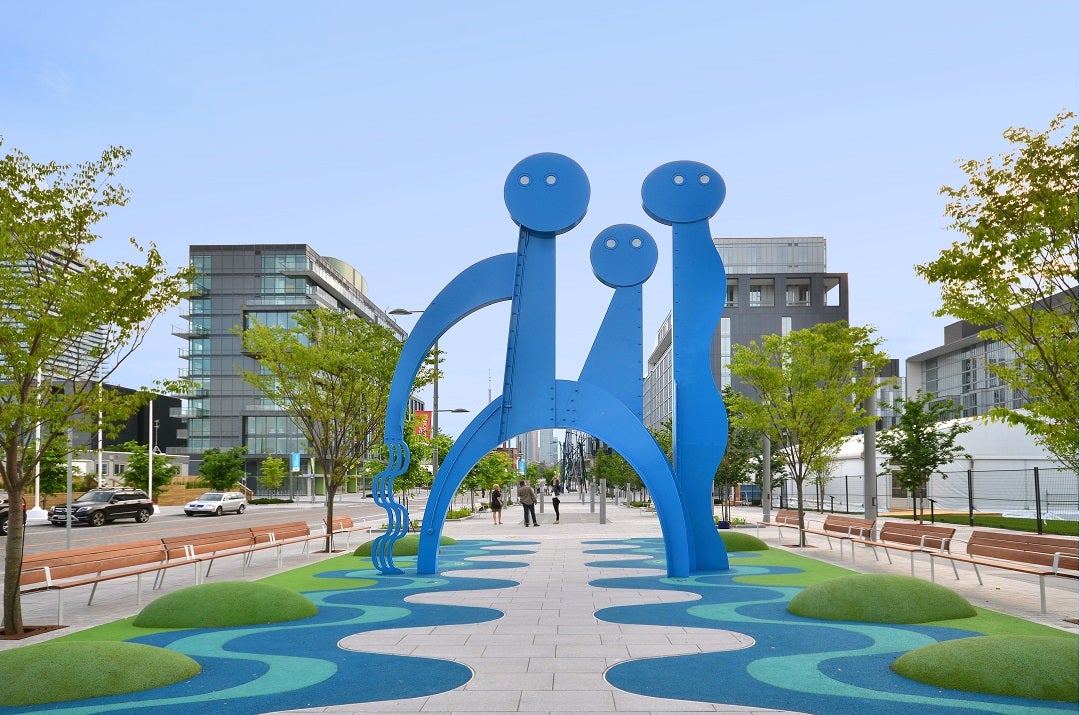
x=548, y=195
x=685, y=195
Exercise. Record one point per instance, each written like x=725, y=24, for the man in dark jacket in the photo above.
x=527, y=496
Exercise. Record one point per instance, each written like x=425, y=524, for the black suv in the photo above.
x=4, y=508
x=102, y=506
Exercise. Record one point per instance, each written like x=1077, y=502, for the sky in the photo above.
x=381, y=134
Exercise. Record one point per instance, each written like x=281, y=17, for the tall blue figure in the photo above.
x=546, y=195
x=685, y=195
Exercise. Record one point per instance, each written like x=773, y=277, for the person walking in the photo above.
x=527, y=496
x=555, y=501
x=496, y=504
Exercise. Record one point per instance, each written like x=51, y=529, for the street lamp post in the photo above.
x=434, y=399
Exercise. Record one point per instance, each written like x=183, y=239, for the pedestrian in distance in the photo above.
x=496, y=504
x=555, y=502
x=527, y=496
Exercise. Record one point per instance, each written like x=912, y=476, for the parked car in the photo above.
x=4, y=508
x=103, y=506
x=217, y=503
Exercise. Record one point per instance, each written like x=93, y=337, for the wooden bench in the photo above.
x=911, y=537
x=89, y=566
x=1034, y=554
x=277, y=536
x=346, y=525
x=783, y=518
x=843, y=528
x=197, y=548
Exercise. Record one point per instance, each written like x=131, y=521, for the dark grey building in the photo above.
x=235, y=284
x=774, y=286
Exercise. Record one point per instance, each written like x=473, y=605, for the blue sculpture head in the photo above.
x=547, y=193
x=682, y=192
x=623, y=255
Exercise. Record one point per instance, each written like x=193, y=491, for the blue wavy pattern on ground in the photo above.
x=257, y=669
x=799, y=664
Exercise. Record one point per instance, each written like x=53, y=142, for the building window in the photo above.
x=831, y=296
x=732, y=299
x=761, y=292
x=797, y=293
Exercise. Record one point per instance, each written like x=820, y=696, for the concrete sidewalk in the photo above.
x=549, y=653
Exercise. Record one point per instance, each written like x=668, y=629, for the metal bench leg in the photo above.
x=977, y=574
x=1042, y=593
x=59, y=606
x=93, y=590
x=932, y=568
x=912, y=564
x=955, y=572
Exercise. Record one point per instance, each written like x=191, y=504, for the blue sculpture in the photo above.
x=547, y=195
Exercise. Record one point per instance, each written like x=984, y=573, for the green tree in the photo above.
x=921, y=442
x=331, y=374
x=741, y=456
x=67, y=321
x=613, y=468
x=273, y=472
x=494, y=468
x=137, y=474
x=221, y=471
x=810, y=385
x=52, y=475
x=1015, y=274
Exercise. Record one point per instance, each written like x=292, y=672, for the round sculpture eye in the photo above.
x=524, y=180
x=550, y=180
x=610, y=243
x=635, y=242
x=704, y=178
x=678, y=179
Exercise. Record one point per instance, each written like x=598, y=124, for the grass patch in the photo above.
x=1055, y=527
x=408, y=545
x=1017, y=666
x=738, y=541
x=229, y=603
x=57, y=672
x=306, y=578
x=804, y=571
x=880, y=598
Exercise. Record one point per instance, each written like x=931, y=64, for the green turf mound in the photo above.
x=229, y=603
x=407, y=545
x=1019, y=666
x=879, y=598
x=73, y=670
x=738, y=541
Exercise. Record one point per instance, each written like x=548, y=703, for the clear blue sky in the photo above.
x=381, y=133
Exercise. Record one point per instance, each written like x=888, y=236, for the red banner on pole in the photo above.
x=423, y=423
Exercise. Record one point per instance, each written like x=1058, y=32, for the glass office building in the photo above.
x=236, y=284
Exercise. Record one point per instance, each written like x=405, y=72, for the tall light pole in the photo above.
x=434, y=399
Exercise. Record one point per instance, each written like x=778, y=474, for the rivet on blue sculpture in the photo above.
x=547, y=195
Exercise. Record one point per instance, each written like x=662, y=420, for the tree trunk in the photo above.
x=331, y=492
x=802, y=515
x=13, y=554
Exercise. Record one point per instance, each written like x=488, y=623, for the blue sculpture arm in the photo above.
x=480, y=285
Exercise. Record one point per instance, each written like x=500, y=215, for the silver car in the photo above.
x=217, y=503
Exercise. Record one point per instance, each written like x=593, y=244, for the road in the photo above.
x=171, y=521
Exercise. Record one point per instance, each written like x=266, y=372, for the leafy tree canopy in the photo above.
x=137, y=474
x=921, y=442
x=222, y=471
x=1015, y=273
x=810, y=385
x=67, y=321
x=273, y=471
x=331, y=374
